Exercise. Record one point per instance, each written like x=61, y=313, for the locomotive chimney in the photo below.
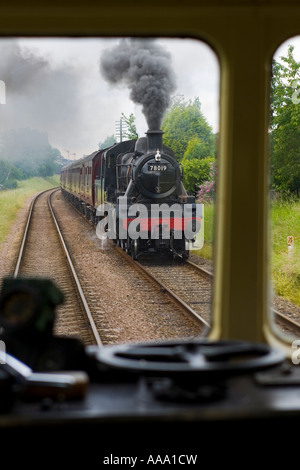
x=154, y=140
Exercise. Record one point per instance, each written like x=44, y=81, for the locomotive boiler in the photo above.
x=134, y=193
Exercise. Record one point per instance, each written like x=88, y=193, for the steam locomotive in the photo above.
x=133, y=192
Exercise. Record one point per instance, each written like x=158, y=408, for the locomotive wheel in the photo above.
x=134, y=249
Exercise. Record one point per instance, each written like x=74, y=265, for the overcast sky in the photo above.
x=55, y=85
x=283, y=49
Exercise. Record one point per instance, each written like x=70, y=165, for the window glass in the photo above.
x=62, y=100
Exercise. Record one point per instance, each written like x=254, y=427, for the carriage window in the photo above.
x=285, y=188
x=65, y=103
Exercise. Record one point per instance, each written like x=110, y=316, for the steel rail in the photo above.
x=73, y=271
x=25, y=235
x=194, y=315
x=290, y=322
x=287, y=320
x=281, y=316
x=67, y=255
x=203, y=271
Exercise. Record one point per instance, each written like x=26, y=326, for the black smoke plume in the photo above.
x=38, y=95
x=145, y=67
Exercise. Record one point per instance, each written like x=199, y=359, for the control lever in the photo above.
x=59, y=385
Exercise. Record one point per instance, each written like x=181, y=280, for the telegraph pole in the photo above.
x=121, y=128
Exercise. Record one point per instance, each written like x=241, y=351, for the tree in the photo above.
x=29, y=150
x=108, y=142
x=48, y=165
x=9, y=173
x=183, y=123
x=197, y=148
x=130, y=133
x=285, y=124
x=196, y=172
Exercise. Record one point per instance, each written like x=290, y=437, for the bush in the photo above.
x=10, y=184
x=207, y=189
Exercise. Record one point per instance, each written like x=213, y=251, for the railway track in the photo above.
x=190, y=285
x=286, y=324
x=189, y=289
x=43, y=253
x=283, y=320
x=125, y=306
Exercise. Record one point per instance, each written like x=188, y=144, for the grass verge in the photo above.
x=285, y=220
x=207, y=249
x=285, y=261
x=13, y=200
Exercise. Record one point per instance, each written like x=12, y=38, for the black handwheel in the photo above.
x=204, y=359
